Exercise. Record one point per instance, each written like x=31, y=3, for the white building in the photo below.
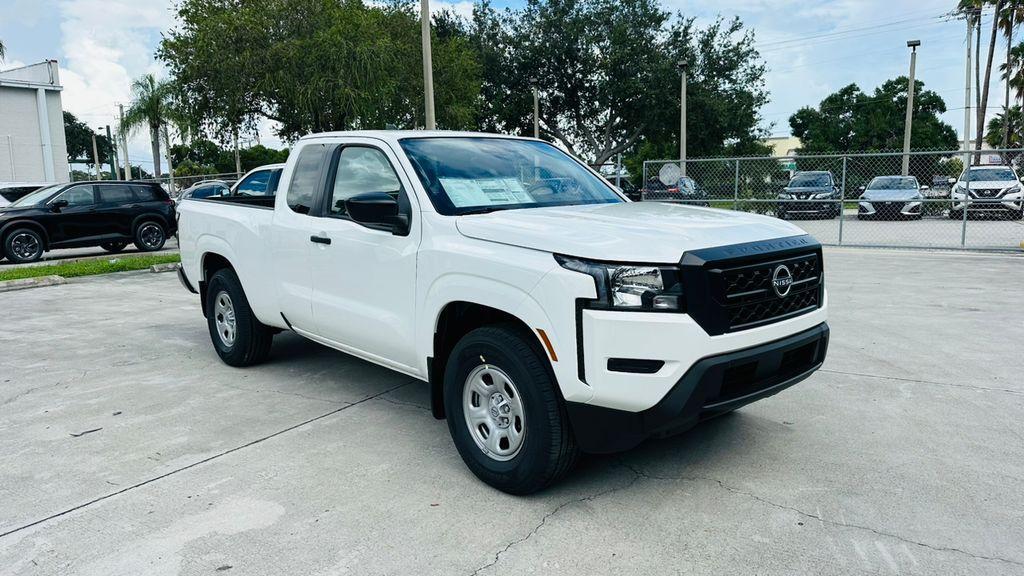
x=32, y=144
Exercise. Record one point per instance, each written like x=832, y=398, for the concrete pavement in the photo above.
x=126, y=447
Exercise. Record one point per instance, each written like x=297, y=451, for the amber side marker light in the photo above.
x=547, y=344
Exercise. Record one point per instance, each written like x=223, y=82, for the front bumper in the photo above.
x=809, y=207
x=711, y=386
x=889, y=209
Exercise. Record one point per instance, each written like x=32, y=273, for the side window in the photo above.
x=115, y=194
x=144, y=193
x=78, y=196
x=360, y=170
x=254, y=185
x=305, y=178
x=275, y=178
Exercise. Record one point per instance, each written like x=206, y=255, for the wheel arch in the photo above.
x=209, y=264
x=154, y=216
x=11, y=226
x=456, y=319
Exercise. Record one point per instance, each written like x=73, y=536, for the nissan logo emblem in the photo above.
x=782, y=280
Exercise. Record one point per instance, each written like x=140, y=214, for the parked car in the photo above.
x=204, y=189
x=503, y=272
x=261, y=181
x=892, y=197
x=993, y=190
x=810, y=194
x=12, y=191
x=628, y=188
x=685, y=190
x=106, y=213
x=939, y=188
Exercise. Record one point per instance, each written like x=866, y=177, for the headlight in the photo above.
x=632, y=286
x=786, y=196
x=823, y=196
x=1012, y=189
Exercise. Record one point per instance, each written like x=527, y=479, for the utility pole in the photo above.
x=536, y=108
x=95, y=156
x=428, y=68
x=114, y=172
x=238, y=158
x=912, y=44
x=682, y=118
x=124, y=143
x=967, y=94
x=170, y=166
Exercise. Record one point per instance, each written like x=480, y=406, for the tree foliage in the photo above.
x=151, y=107
x=203, y=156
x=312, y=66
x=78, y=135
x=851, y=120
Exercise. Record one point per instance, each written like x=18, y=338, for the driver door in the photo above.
x=364, y=278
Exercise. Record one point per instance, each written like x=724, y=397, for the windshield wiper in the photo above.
x=482, y=210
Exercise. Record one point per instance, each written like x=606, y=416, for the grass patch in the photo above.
x=89, y=267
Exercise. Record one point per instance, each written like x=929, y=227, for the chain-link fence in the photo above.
x=862, y=199
x=175, y=186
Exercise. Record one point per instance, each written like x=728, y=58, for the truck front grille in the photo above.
x=728, y=294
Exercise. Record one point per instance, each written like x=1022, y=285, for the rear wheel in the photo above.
x=23, y=245
x=114, y=247
x=150, y=236
x=505, y=414
x=239, y=338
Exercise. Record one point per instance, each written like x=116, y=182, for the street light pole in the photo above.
x=428, y=68
x=536, y=108
x=114, y=169
x=95, y=156
x=124, y=143
x=682, y=118
x=913, y=44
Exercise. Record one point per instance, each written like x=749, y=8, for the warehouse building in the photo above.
x=32, y=144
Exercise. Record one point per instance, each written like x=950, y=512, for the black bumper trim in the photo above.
x=184, y=280
x=702, y=392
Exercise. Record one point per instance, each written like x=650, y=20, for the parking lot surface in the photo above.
x=127, y=447
x=55, y=256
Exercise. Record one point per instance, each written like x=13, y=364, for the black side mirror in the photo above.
x=58, y=205
x=377, y=208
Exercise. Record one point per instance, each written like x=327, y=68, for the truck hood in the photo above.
x=651, y=232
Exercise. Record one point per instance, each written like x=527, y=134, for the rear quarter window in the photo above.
x=306, y=178
x=115, y=194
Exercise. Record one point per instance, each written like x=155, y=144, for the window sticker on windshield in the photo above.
x=465, y=192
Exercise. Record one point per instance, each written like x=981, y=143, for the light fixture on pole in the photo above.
x=428, y=68
x=911, y=88
x=536, y=108
x=682, y=117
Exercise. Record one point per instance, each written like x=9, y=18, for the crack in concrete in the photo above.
x=202, y=461
x=559, y=508
x=915, y=381
x=281, y=392
x=820, y=518
x=403, y=403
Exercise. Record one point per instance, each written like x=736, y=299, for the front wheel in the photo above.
x=505, y=414
x=23, y=245
x=239, y=338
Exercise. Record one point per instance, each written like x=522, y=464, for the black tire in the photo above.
x=114, y=247
x=956, y=214
x=23, y=245
x=150, y=236
x=548, y=449
x=250, y=341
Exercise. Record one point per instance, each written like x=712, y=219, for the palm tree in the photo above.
x=151, y=107
x=1012, y=14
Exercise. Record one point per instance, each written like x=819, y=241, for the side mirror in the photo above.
x=377, y=208
x=58, y=205
x=924, y=188
x=861, y=188
x=951, y=181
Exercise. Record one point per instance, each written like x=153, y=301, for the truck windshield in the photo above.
x=474, y=175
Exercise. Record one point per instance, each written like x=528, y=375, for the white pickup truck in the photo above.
x=548, y=314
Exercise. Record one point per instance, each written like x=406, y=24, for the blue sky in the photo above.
x=812, y=47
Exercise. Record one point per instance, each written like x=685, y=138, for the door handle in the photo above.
x=319, y=239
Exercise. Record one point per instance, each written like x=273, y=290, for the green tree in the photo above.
x=313, y=66
x=150, y=107
x=1007, y=129
x=78, y=135
x=850, y=120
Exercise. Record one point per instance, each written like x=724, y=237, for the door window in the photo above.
x=306, y=178
x=360, y=170
x=78, y=196
x=114, y=194
x=144, y=193
x=254, y=184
